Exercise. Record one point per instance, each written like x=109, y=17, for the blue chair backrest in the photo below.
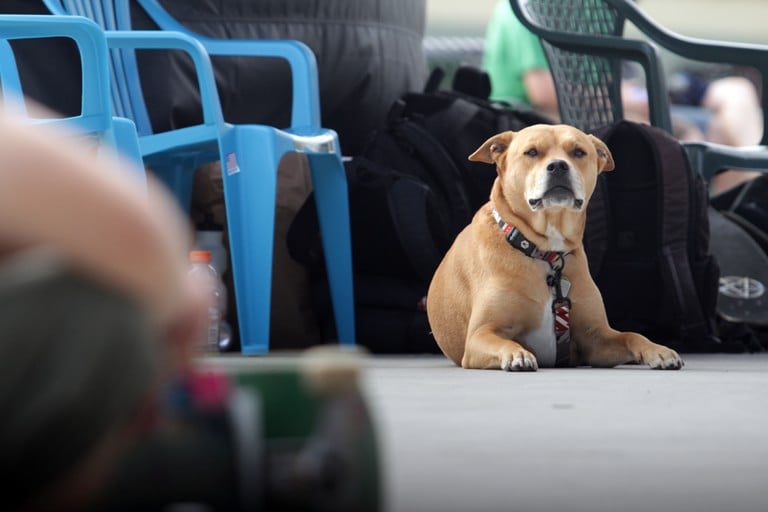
x=127, y=95
x=95, y=101
x=95, y=119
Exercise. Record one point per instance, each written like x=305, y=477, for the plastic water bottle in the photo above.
x=202, y=269
x=212, y=240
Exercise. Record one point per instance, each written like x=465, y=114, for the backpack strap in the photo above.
x=674, y=176
x=434, y=80
x=406, y=207
x=598, y=215
x=599, y=221
x=452, y=120
x=446, y=114
x=472, y=81
x=443, y=171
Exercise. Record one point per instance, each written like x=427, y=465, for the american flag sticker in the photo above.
x=231, y=164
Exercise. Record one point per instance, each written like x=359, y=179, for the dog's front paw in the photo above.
x=519, y=360
x=662, y=358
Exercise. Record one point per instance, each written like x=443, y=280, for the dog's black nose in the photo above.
x=557, y=167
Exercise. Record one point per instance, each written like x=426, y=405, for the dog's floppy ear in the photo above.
x=493, y=148
x=604, y=157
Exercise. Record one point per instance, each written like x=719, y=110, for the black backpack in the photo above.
x=411, y=191
x=431, y=134
x=647, y=241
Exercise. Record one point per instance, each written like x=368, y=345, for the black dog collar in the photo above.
x=517, y=240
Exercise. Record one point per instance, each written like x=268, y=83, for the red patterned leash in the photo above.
x=561, y=304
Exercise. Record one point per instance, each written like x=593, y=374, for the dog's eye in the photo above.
x=531, y=152
x=579, y=153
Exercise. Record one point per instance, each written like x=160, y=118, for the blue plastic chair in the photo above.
x=95, y=118
x=249, y=155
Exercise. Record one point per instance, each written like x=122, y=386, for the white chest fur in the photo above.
x=541, y=341
x=555, y=238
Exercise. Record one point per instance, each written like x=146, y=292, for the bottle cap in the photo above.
x=199, y=256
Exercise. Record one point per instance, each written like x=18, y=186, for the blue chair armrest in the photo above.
x=166, y=40
x=305, y=110
x=89, y=38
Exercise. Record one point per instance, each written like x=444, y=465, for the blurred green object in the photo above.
x=238, y=434
x=259, y=434
x=318, y=432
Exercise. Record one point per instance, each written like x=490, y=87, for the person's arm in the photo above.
x=54, y=192
x=516, y=63
x=540, y=89
x=634, y=100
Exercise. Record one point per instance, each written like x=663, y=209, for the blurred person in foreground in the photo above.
x=726, y=110
x=96, y=309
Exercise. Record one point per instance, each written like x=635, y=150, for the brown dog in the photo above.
x=514, y=291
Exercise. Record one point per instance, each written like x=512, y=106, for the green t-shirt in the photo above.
x=511, y=50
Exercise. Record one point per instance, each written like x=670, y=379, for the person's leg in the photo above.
x=737, y=120
x=81, y=373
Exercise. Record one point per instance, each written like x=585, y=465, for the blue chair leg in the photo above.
x=127, y=144
x=331, y=197
x=250, y=159
x=178, y=175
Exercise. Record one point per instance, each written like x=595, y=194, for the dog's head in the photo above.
x=550, y=166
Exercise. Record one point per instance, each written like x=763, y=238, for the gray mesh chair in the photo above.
x=584, y=44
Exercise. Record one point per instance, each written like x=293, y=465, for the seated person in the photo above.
x=97, y=310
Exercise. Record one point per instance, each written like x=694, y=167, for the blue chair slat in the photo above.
x=123, y=69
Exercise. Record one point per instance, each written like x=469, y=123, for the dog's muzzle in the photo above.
x=559, y=189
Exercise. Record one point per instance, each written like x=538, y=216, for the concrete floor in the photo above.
x=625, y=439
